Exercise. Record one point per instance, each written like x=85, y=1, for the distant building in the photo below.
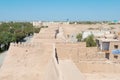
x=37, y=24
x=115, y=21
x=72, y=38
x=96, y=33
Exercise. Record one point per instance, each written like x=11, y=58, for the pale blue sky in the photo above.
x=29, y=10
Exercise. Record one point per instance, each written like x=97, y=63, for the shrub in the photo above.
x=90, y=42
x=79, y=37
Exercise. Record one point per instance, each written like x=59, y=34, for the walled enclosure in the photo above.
x=37, y=60
x=87, y=59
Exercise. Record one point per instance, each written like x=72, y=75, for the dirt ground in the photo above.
x=101, y=76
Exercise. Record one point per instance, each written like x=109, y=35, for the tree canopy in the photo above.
x=90, y=42
x=79, y=37
x=14, y=32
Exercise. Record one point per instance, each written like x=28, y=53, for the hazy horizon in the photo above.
x=59, y=10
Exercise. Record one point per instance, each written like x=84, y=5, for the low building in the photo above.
x=37, y=24
x=114, y=51
x=96, y=33
x=103, y=44
x=111, y=48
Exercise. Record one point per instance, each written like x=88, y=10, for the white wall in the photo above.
x=96, y=33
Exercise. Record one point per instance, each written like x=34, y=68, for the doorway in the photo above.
x=107, y=55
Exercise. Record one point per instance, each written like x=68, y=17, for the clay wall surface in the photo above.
x=26, y=63
x=53, y=71
x=78, y=52
x=112, y=48
x=90, y=54
x=98, y=67
x=46, y=36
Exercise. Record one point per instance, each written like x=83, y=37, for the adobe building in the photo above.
x=114, y=51
x=37, y=24
x=111, y=48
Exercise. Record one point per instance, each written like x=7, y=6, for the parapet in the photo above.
x=24, y=45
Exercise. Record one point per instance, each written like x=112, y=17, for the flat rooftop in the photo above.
x=107, y=40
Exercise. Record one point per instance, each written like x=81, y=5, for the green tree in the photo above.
x=14, y=32
x=5, y=39
x=79, y=37
x=90, y=42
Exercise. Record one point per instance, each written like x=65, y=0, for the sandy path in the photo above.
x=102, y=76
x=69, y=71
x=2, y=56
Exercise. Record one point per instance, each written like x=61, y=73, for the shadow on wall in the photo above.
x=56, y=56
x=53, y=71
